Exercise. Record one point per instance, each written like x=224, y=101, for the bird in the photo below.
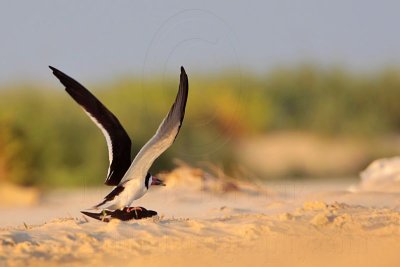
x=131, y=178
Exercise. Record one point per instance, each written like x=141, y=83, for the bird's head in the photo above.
x=152, y=180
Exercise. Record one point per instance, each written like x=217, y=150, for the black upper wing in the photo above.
x=118, y=141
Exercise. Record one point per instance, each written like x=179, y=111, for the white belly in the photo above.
x=134, y=189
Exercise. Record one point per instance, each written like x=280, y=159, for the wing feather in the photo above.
x=118, y=141
x=165, y=135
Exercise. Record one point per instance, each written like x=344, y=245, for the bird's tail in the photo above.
x=109, y=202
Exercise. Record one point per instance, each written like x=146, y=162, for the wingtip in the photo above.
x=53, y=69
x=182, y=70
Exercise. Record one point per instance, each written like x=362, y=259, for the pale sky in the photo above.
x=102, y=39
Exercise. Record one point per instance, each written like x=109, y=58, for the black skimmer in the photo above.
x=130, y=178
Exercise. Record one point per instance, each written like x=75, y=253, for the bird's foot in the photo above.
x=134, y=208
x=128, y=210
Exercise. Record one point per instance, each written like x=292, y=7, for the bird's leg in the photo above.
x=103, y=215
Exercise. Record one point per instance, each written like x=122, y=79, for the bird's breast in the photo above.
x=135, y=190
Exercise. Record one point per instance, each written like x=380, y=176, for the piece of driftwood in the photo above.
x=123, y=215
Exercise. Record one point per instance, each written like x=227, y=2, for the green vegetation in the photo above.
x=46, y=139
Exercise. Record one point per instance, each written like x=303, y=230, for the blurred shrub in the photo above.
x=46, y=139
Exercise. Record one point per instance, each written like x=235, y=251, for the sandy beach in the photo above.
x=203, y=220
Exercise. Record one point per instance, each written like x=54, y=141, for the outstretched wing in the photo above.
x=165, y=135
x=118, y=141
